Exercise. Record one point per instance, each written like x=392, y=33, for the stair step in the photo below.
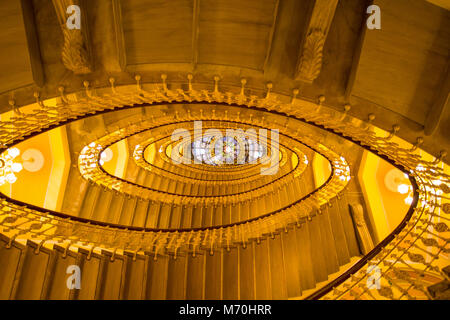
x=246, y=272
x=128, y=211
x=213, y=275
x=111, y=279
x=187, y=216
x=329, y=246
x=340, y=240
x=152, y=218
x=56, y=287
x=30, y=279
x=177, y=277
x=116, y=206
x=195, y=278
x=230, y=278
x=197, y=216
x=208, y=216
x=278, y=277
x=263, y=283
x=10, y=263
x=218, y=216
x=331, y=277
x=164, y=216
x=102, y=206
x=74, y=193
x=140, y=213
x=176, y=217
x=134, y=287
x=89, y=202
x=291, y=263
x=89, y=277
x=157, y=273
x=305, y=266
x=317, y=249
x=349, y=228
x=141, y=176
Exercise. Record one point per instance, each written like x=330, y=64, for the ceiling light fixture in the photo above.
x=8, y=167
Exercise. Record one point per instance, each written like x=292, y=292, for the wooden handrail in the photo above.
x=316, y=295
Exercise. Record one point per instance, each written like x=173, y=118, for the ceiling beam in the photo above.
x=33, y=43
x=195, y=31
x=77, y=49
x=441, y=103
x=20, y=55
x=119, y=34
x=272, y=32
x=441, y=3
x=310, y=60
x=356, y=56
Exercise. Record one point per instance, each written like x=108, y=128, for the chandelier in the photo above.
x=226, y=150
x=8, y=167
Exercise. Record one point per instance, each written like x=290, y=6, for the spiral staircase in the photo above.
x=165, y=229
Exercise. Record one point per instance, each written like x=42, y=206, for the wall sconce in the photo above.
x=397, y=181
x=106, y=156
x=8, y=167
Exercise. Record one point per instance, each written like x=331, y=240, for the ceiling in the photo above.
x=399, y=73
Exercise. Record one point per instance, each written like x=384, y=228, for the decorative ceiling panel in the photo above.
x=235, y=32
x=402, y=64
x=157, y=31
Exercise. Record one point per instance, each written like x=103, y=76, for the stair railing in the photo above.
x=420, y=243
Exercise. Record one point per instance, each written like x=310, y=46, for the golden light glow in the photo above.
x=9, y=166
x=172, y=242
x=403, y=189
